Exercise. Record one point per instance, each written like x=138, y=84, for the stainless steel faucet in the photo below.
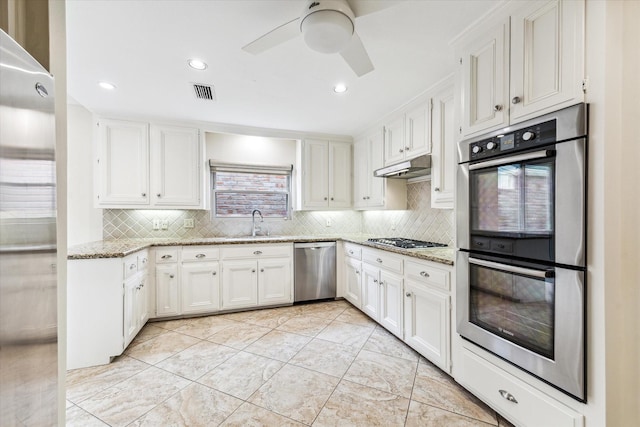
x=255, y=228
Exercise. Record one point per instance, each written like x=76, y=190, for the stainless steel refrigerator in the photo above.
x=28, y=283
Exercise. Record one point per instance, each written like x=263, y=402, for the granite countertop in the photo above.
x=123, y=247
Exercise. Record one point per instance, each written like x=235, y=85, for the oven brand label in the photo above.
x=511, y=334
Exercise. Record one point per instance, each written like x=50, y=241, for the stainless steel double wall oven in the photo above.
x=521, y=234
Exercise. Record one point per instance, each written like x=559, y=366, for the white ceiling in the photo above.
x=143, y=47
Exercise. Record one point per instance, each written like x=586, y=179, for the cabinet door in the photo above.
x=371, y=291
x=130, y=319
x=315, y=174
x=239, y=284
x=547, y=61
x=394, y=141
x=175, y=163
x=443, y=162
x=167, y=294
x=427, y=323
x=391, y=303
x=274, y=281
x=200, y=283
x=353, y=282
x=485, y=81
x=340, y=180
x=142, y=301
x=418, y=132
x=376, y=160
x=123, y=163
x=361, y=177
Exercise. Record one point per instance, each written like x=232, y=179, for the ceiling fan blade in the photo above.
x=366, y=7
x=356, y=56
x=274, y=37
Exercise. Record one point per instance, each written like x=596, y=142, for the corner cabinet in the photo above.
x=371, y=192
x=443, y=162
x=143, y=166
x=527, y=63
x=326, y=179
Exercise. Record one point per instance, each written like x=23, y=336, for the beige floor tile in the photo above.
x=425, y=415
x=356, y=405
x=304, y=325
x=278, y=345
x=124, y=402
x=85, y=382
x=241, y=375
x=197, y=360
x=270, y=318
x=161, y=347
x=169, y=324
x=326, y=310
x=326, y=357
x=249, y=415
x=148, y=332
x=346, y=333
x=78, y=417
x=239, y=336
x=295, y=393
x=386, y=373
x=355, y=316
x=194, y=406
x=204, y=327
x=435, y=388
x=382, y=341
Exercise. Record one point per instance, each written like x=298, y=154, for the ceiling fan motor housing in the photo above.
x=327, y=25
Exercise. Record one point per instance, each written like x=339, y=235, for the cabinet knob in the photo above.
x=200, y=256
x=382, y=282
x=144, y=260
x=158, y=194
x=257, y=252
x=132, y=266
x=332, y=199
x=515, y=100
x=406, y=148
x=408, y=294
x=357, y=271
x=364, y=198
x=253, y=270
x=214, y=273
x=379, y=260
x=141, y=285
x=424, y=274
x=437, y=189
x=497, y=107
x=171, y=276
x=375, y=280
x=144, y=194
x=368, y=197
x=505, y=394
x=262, y=270
x=325, y=198
x=166, y=256
x=401, y=150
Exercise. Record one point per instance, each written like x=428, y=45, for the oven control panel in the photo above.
x=519, y=140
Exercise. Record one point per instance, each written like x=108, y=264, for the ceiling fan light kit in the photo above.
x=327, y=31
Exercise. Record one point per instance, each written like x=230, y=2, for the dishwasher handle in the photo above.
x=314, y=245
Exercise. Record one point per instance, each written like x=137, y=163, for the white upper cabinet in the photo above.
x=443, y=162
x=175, y=166
x=123, y=163
x=528, y=64
x=142, y=169
x=407, y=135
x=326, y=175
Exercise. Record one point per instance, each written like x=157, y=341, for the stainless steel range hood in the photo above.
x=420, y=166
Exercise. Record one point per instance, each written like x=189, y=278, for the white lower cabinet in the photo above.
x=353, y=282
x=200, y=287
x=167, y=290
x=135, y=303
x=239, y=284
x=273, y=284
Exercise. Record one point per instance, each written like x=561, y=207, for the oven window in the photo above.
x=517, y=308
x=514, y=198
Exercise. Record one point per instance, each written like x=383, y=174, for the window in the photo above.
x=239, y=189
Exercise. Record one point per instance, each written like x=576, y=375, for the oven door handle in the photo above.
x=513, y=159
x=512, y=268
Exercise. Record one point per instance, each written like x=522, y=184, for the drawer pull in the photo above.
x=171, y=276
x=200, y=256
x=132, y=266
x=214, y=273
x=379, y=260
x=253, y=270
x=257, y=252
x=424, y=274
x=357, y=271
x=408, y=294
x=350, y=252
x=505, y=394
x=166, y=256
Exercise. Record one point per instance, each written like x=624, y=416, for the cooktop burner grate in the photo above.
x=399, y=242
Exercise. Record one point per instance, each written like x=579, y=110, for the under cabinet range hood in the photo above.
x=420, y=166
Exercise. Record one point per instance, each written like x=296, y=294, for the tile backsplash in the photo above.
x=419, y=221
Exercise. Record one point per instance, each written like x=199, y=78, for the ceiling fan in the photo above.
x=327, y=27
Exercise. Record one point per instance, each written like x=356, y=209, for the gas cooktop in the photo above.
x=399, y=242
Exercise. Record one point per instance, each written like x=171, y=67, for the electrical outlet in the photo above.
x=156, y=224
x=328, y=222
x=164, y=224
x=188, y=223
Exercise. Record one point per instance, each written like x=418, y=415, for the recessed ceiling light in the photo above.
x=197, y=64
x=340, y=88
x=107, y=85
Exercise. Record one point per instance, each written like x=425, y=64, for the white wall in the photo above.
x=84, y=221
x=250, y=149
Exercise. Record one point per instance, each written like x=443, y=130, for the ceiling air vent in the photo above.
x=203, y=91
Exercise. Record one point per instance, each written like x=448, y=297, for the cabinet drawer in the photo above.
x=527, y=406
x=256, y=251
x=200, y=253
x=166, y=255
x=383, y=260
x=130, y=265
x=424, y=273
x=353, y=251
x=143, y=259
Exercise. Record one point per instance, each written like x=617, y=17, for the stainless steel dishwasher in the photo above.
x=314, y=271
